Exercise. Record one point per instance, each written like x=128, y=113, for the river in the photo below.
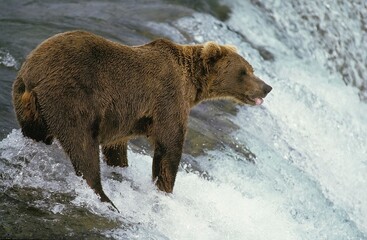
x=293, y=168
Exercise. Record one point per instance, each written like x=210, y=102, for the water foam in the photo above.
x=7, y=59
x=198, y=209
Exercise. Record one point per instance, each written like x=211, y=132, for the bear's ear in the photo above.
x=232, y=48
x=210, y=53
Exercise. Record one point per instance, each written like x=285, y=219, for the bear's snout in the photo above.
x=266, y=88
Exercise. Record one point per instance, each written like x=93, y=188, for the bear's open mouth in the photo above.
x=254, y=100
x=258, y=101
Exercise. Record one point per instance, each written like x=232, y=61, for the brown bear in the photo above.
x=87, y=91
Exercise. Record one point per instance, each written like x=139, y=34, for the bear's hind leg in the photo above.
x=28, y=113
x=84, y=155
x=116, y=155
x=37, y=130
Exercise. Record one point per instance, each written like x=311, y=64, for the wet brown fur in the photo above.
x=87, y=91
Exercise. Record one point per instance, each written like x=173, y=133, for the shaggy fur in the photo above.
x=87, y=91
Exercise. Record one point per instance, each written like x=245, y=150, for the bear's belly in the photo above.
x=117, y=131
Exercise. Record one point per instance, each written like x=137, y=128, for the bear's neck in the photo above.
x=195, y=73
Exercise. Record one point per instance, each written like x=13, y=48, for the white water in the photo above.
x=309, y=180
x=6, y=59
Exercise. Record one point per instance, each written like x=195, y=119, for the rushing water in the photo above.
x=294, y=168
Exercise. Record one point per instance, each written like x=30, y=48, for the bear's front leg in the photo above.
x=167, y=156
x=116, y=155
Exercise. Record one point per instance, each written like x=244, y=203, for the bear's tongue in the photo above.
x=258, y=101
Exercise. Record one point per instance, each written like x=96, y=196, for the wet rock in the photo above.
x=25, y=214
x=213, y=7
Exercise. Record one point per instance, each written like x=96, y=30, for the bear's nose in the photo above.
x=267, y=88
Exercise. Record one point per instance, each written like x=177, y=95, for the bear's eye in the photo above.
x=242, y=76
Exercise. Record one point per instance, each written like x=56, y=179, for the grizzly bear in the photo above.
x=87, y=91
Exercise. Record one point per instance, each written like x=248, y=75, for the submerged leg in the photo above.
x=166, y=159
x=165, y=166
x=83, y=151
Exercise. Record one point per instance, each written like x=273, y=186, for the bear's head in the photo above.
x=231, y=76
